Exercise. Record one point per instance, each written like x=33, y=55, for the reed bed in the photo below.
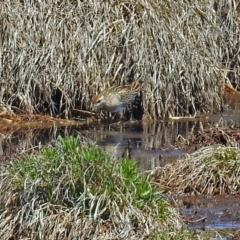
x=208, y=171
x=74, y=190
x=56, y=54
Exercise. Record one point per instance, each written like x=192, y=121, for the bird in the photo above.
x=115, y=99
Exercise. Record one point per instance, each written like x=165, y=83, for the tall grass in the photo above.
x=56, y=55
x=74, y=190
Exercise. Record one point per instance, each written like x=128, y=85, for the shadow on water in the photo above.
x=152, y=145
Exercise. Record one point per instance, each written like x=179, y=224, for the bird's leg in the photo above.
x=110, y=116
x=121, y=116
x=131, y=113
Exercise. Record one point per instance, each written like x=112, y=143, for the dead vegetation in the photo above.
x=213, y=169
x=209, y=171
x=56, y=55
x=210, y=135
x=22, y=119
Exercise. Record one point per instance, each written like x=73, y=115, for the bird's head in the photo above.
x=98, y=101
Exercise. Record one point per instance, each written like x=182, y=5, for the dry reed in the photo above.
x=56, y=54
x=209, y=171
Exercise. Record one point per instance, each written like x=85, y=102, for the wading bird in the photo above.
x=115, y=99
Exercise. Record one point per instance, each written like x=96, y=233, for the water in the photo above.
x=217, y=212
x=153, y=144
x=149, y=141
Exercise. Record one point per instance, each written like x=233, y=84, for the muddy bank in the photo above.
x=210, y=212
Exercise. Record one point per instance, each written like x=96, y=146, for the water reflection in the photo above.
x=152, y=143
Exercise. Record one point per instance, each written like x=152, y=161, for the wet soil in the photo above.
x=215, y=212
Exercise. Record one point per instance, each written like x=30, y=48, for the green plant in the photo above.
x=73, y=182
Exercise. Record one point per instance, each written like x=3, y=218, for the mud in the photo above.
x=217, y=212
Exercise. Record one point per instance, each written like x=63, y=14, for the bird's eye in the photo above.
x=98, y=101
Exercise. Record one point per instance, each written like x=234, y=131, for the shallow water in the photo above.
x=217, y=212
x=152, y=144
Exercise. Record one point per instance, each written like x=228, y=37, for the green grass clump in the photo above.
x=209, y=171
x=73, y=189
